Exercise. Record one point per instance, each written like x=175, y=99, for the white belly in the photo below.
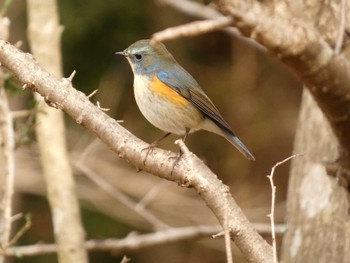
x=162, y=113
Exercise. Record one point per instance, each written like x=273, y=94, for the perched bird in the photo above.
x=170, y=98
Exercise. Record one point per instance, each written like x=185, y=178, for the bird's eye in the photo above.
x=138, y=57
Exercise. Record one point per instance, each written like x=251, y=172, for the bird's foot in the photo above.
x=153, y=145
x=177, y=159
x=149, y=149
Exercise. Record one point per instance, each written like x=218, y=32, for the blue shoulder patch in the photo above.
x=162, y=75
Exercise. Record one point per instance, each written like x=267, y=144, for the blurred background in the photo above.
x=256, y=94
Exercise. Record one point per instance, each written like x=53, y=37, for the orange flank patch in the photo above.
x=166, y=92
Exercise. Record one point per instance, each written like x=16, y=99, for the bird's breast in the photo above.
x=164, y=107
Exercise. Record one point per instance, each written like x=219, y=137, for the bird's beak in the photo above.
x=123, y=53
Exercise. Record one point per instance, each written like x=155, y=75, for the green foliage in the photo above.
x=5, y=5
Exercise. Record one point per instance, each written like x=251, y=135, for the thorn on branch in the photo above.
x=102, y=109
x=70, y=78
x=92, y=93
x=220, y=234
x=18, y=44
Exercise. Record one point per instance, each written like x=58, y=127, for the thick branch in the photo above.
x=302, y=47
x=189, y=172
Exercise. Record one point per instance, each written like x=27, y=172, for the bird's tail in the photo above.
x=239, y=145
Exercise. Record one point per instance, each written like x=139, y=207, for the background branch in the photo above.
x=132, y=242
x=192, y=29
x=7, y=144
x=45, y=34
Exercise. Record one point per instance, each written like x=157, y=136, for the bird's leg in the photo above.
x=153, y=145
x=179, y=153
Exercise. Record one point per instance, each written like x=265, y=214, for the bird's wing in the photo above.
x=188, y=88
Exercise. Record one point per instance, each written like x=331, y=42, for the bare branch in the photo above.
x=264, y=228
x=50, y=130
x=273, y=197
x=198, y=10
x=7, y=139
x=192, y=29
x=121, y=246
x=120, y=197
x=20, y=232
x=151, y=194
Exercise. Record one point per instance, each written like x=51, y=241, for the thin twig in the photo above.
x=341, y=29
x=265, y=228
x=92, y=93
x=99, y=106
x=151, y=194
x=192, y=29
x=88, y=150
x=120, y=246
x=120, y=197
x=20, y=232
x=273, y=197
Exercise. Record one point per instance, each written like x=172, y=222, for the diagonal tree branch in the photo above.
x=190, y=172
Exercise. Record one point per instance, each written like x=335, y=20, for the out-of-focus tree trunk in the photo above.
x=317, y=203
x=44, y=35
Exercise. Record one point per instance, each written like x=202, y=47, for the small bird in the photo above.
x=171, y=99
